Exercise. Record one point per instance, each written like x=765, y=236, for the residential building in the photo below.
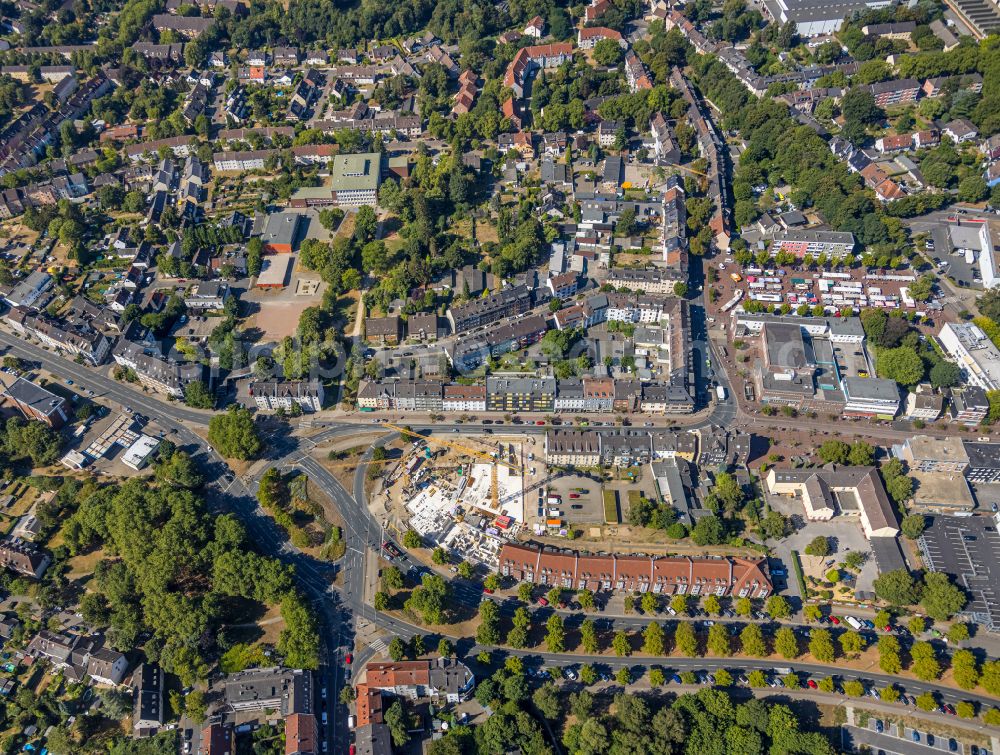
x=924, y=403
x=217, y=739
x=443, y=679
x=894, y=91
x=23, y=558
x=588, y=36
x=283, y=690
x=423, y=326
x=849, y=491
x=271, y=395
x=302, y=734
x=205, y=295
x=520, y=394
x=681, y=575
x=155, y=372
x=384, y=330
x=968, y=405
x=419, y=396
x=803, y=242
x=473, y=314
x=37, y=403
x=654, y=280
x=74, y=337
x=149, y=702
x=464, y=398
x=79, y=657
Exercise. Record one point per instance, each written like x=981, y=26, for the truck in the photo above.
x=720, y=391
x=554, y=500
x=854, y=622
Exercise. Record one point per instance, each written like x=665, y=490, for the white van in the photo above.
x=350, y=722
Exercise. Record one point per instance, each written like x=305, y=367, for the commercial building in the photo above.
x=941, y=493
x=922, y=453
x=621, y=447
x=139, y=453
x=984, y=461
x=354, y=179
x=37, y=403
x=815, y=17
x=870, y=397
x=682, y=575
x=924, y=403
x=28, y=291
x=849, y=491
x=968, y=405
x=974, y=352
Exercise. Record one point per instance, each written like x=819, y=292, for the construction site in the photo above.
x=467, y=496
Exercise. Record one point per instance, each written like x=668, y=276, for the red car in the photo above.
x=348, y=659
x=574, y=495
x=352, y=749
x=948, y=709
x=543, y=602
x=887, y=628
x=834, y=620
x=540, y=422
x=811, y=683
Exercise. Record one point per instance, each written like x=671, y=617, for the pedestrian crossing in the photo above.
x=378, y=646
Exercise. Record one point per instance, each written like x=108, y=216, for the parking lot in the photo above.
x=902, y=740
x=968, y=549
x=587, y=508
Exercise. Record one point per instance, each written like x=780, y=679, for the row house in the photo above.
x=464, y=398
x=649, y=280
x=635, y=73
x=249, y=160
x=509, y=302
x=678, y=575
x=74, y=337
x=664, y=143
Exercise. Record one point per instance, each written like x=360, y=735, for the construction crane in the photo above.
x=461, y=447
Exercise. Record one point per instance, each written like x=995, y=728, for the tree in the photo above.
x=926, y=701
x=649, y=603
x=965, y=709
x=392, y=578
x=588, y=636
x=833, y=452
x=752, y=641
x=945, y=375
x=777, y=607
x=653, y=643
x=827, y=684
x=818, y=546
x=234, y=435
x=586, y=599
x=607, y=52
x=548, y=701
x=786, y=644
x=624, y=676
x=743, y=607
x=925, y=665
x=709, y=530
x=940, y=598
x=488, y=632
x=958, y=632
x=812, y=612
x=395, y=719
x=587, y=674
x=853, y=688
x=851, y=642
x=555, y=638
x=656, y=677
x=620, y=644
x=897, y=587
x=381, y=601
x=964, y=669
x=888, y=654
x=492, y=582
x=901, y=364
x=718, y=641
x=912, y=525
x=411, y=539
x=197, y=395
x=757, y=679
x=680, y=289
x=679, y=603
x=711, y=605
x=821, y=645
x=524, y=592
x=861, y=454
x=465, y=570
x=397, y=649
x=685, y=639
x=992, y=717
x=439, y=556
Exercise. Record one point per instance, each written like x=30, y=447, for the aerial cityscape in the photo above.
x=477, y=378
